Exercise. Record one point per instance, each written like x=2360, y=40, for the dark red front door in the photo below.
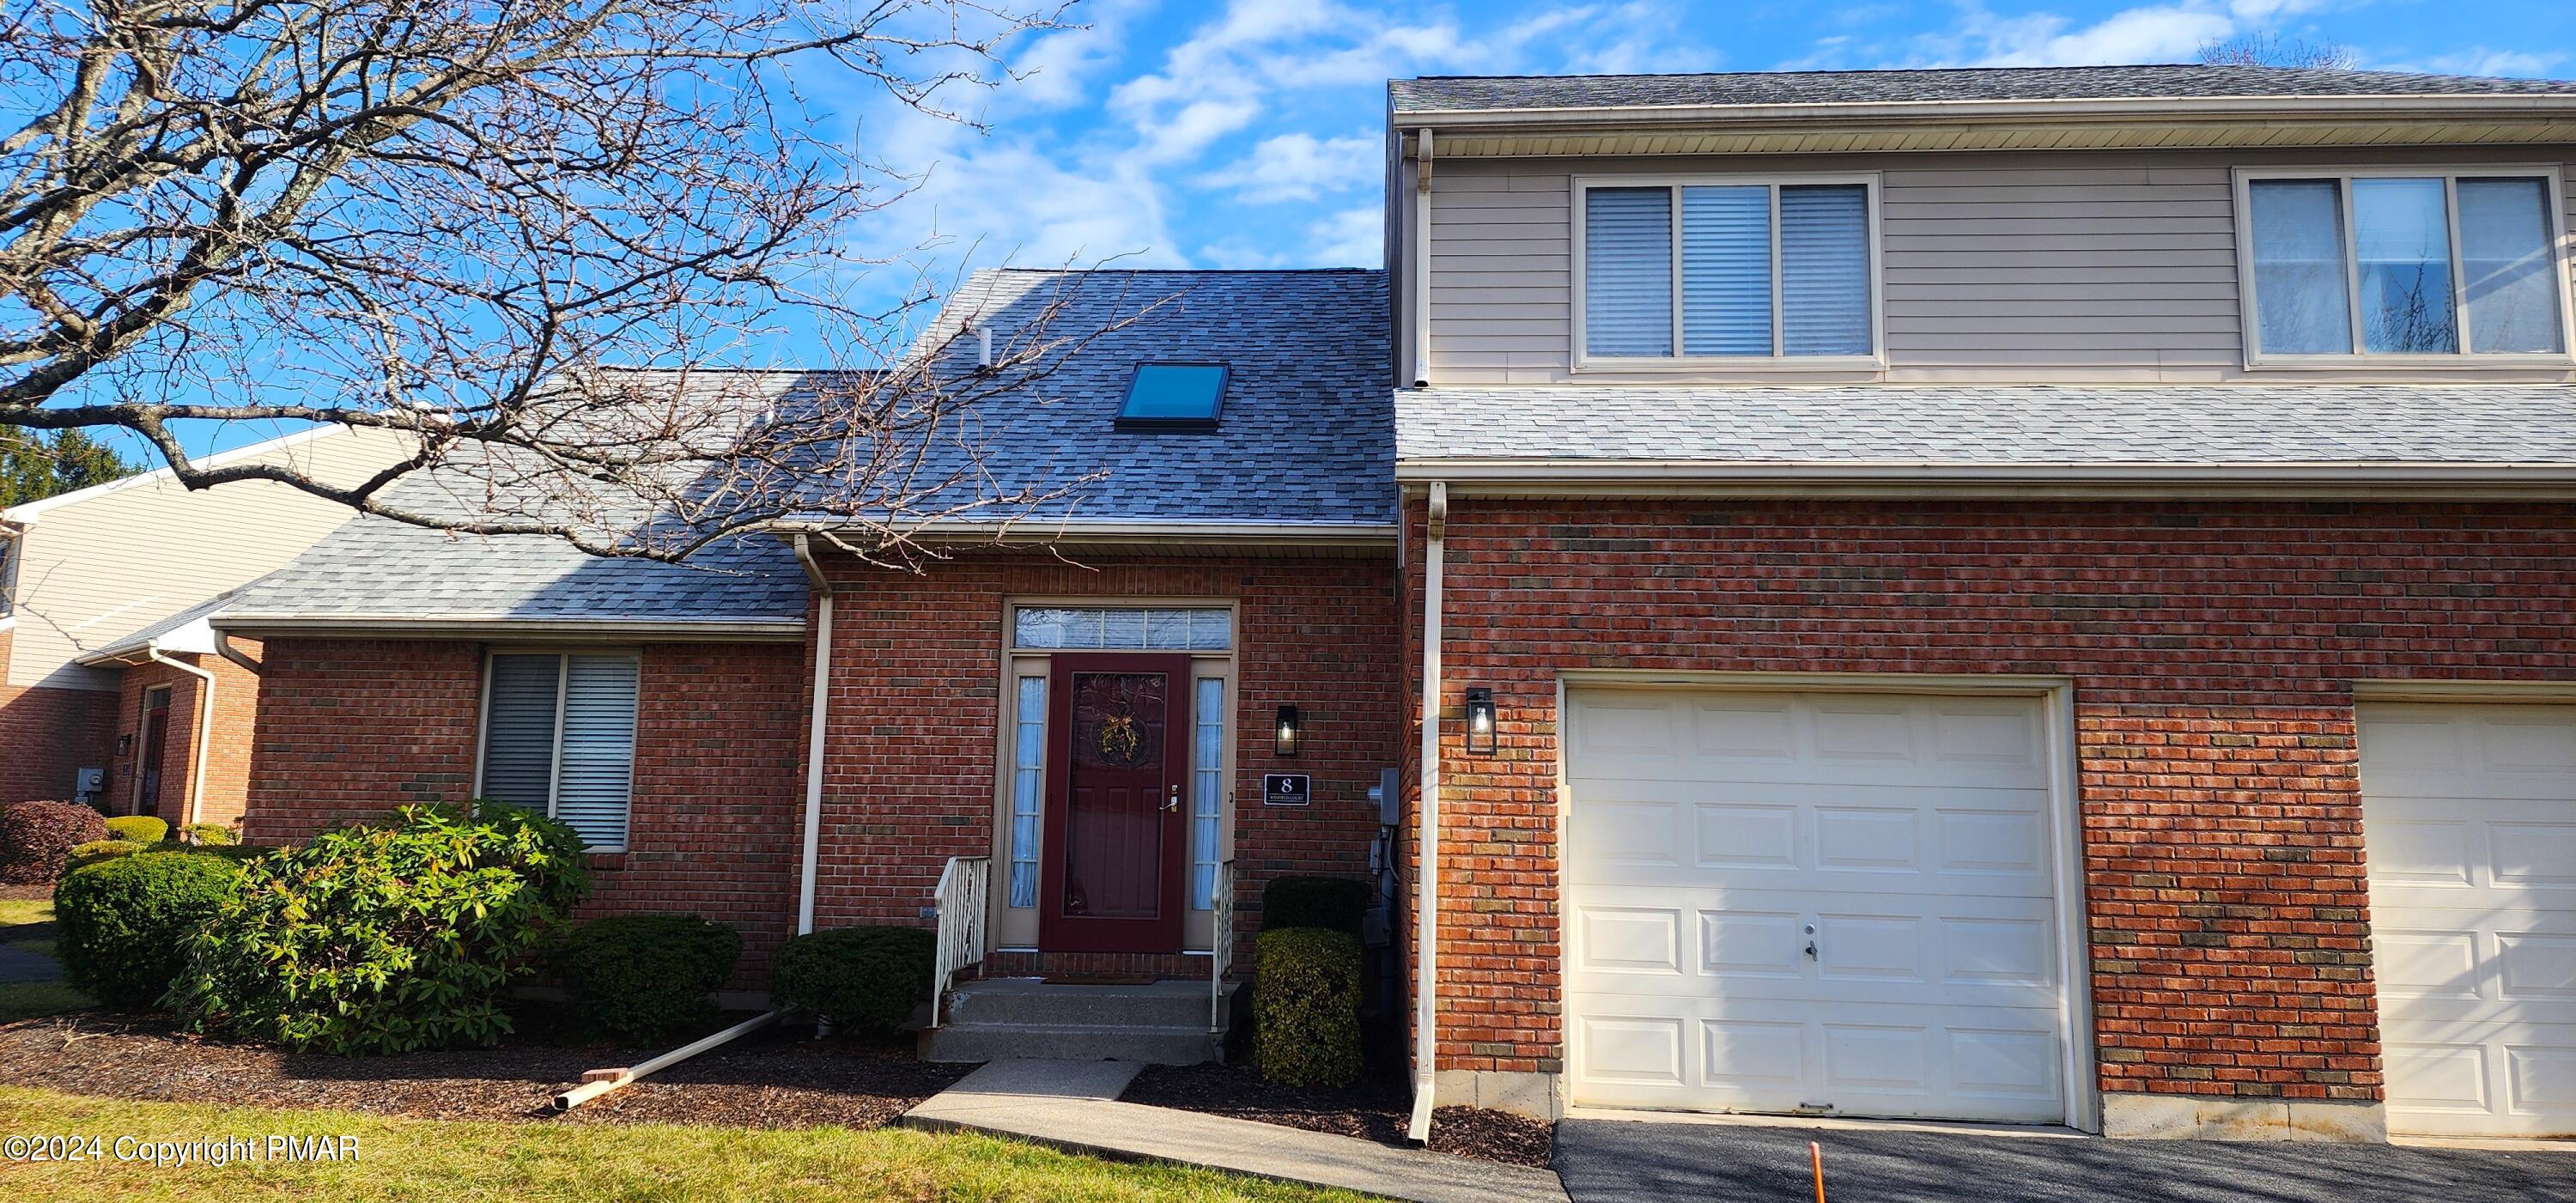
x=1111, y=868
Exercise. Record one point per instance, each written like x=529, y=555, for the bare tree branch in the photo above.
x=458, y=220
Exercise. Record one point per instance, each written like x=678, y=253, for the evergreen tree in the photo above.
x=35, y=464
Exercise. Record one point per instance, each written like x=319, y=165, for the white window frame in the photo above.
x=563, y=678
x=2462, y=360
x=1871, y=193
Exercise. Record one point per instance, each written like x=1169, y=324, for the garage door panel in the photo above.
x=2469, y=822
x=1709, y=833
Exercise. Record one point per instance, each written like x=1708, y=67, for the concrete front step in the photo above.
x=1161, y=1023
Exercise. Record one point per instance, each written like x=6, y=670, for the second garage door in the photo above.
x=1812, y=902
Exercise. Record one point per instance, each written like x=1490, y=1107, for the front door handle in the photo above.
x=1811, y=941
x=1175, y=803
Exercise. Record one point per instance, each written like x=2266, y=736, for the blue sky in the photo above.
x=1248, y=134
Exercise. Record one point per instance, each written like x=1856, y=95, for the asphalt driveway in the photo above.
x=1627, y=1160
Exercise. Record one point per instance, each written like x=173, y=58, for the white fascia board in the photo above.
x=1488, y=475
x=413, y=626
x=1049, y=530
x=1854, y=112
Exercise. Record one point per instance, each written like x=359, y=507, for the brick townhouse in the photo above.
x=2028, y=596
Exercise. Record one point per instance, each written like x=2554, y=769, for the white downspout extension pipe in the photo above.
x=814, y=737
x=1426, y=926
x=205, y=727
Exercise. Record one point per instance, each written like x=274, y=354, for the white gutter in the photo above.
x=601, y=1081
x=205, y=728
x=2065, y=108
x=416, y=626
x=1421, y=232
x=1426, y=927
x=1535, y=469
x=813, y=853
x=1071, y=530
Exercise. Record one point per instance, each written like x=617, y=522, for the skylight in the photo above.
x=1174, y=396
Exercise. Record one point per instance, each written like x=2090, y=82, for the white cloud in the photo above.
x=1301, y=166
x=1351, y=238
x=2482, y=61
x=2153, y=34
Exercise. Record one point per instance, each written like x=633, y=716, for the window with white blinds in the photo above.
x=559, y=736
x=1750, y=270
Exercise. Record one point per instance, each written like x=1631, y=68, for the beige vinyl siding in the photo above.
x=103, y=566
x=2078, y=266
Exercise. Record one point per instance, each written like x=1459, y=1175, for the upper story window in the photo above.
x=2441, y=266
x=1726, y=271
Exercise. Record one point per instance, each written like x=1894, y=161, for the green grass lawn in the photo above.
x=26, y=1000
x=403, y=1159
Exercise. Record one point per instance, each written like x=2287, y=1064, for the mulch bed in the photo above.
x=1376, y=1108
x=775, y=1078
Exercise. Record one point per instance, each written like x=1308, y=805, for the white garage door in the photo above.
x=2469, y=818
x=1789, y=902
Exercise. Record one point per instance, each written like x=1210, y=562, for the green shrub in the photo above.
x=384, y=938
x=1306, y=1007
x=84, y=855
x=862, y=977
x=1331, y=903
x=138, y=829
x=123, y=924
x=210, y=835
x=643, y=977
x=37, y=837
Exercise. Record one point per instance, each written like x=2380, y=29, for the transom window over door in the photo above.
x=559, y=737
x=1726, y=272
x=2442, y=266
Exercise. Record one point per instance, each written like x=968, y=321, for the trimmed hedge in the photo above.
x=643, y=977
x=1306, y=1007
x=91, y=853
x=37, y=837
x=384, y=938
x=868, y=978
x=1331, y=903
x=123, y=924
x=138, y=829
x=211, y=835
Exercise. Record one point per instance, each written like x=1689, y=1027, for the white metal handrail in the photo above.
x=960, y=903
x=1221, y=945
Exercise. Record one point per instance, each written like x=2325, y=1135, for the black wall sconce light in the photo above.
x=1480, y=721
x=1292, y=731
x=125, y=745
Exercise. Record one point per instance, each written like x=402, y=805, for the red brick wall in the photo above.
x=227, y=757
x=909, y=771
x=47, y=733
x=2211, y=646
x=353, y=728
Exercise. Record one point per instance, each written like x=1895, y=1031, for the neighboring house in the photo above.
x=2013, y=595
x=105, y=657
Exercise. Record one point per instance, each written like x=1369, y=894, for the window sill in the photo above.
x=1708, y=364
x=2412, y=363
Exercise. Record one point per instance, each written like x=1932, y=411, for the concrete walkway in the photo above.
x=1072, y=1105
x=20, y=965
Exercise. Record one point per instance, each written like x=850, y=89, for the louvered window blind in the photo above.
x=1763, y=271
x=559, y=736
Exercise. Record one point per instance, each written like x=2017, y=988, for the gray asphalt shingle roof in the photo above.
x=1307, y=436
x=2168, y=81
x=1993, y=424
x=1306, y=433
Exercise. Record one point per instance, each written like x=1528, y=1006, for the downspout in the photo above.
x=205, y=727
x=1422, y=263
x=814, y=735
x=1426, y=926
